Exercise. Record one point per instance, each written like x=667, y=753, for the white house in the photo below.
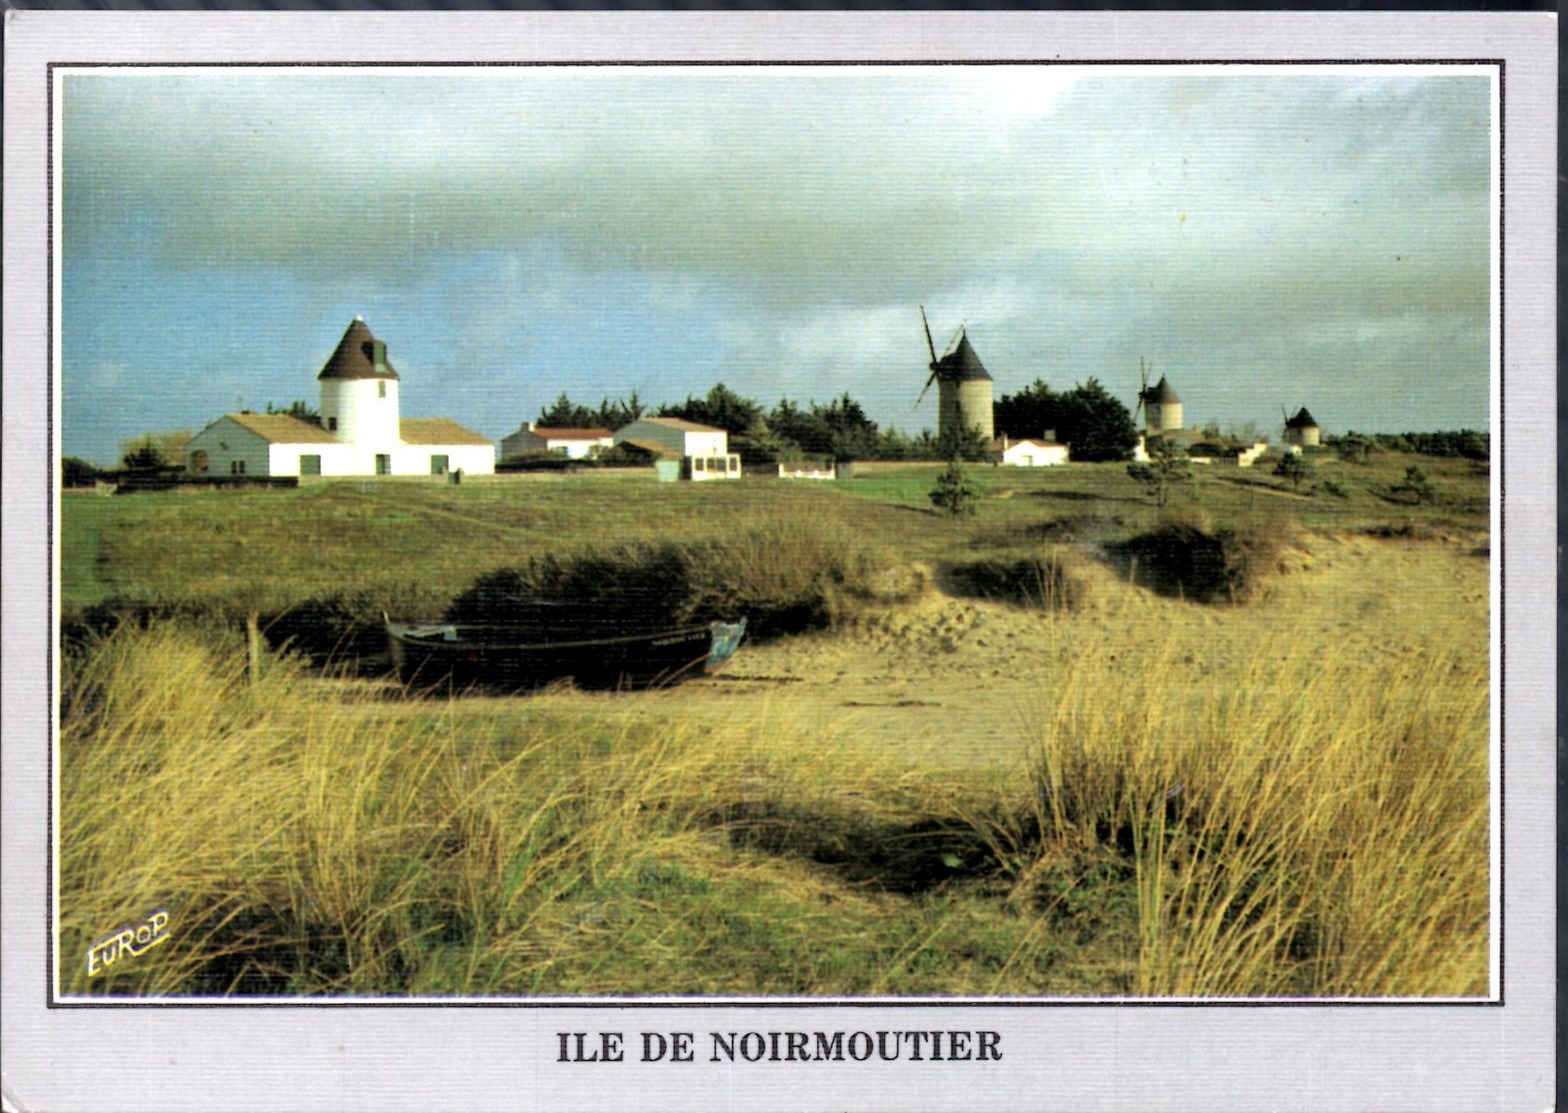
x=360, y=431
x=1030, y=453
x=576, y=444
x=704, y=450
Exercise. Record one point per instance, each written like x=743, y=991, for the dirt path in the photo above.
x=958, y=681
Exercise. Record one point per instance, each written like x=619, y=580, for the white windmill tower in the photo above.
x=359, y=399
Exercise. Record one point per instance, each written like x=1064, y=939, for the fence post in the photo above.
x=253, y=648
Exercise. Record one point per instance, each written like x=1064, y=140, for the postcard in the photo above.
x=904, y=561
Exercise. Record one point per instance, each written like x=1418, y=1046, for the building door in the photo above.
x=438, y=465
x=383, y=464
x=310, y=465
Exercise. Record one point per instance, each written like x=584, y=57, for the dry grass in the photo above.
x=1315, y=824
x=1317, y=827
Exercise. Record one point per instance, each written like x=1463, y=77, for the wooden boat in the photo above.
x=556, y=642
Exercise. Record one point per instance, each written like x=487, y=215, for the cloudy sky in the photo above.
x=1265, y=238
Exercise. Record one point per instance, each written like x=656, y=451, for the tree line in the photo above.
x=1087, y=417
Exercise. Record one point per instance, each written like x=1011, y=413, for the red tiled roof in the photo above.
x=571, y=434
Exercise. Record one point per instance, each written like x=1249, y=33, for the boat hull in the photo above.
x=454, y=656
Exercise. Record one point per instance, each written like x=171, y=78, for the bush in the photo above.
x=1295, y=467
x=76, y=472
x=781, y=577
x=1168, y=466
x=953, y=492
x=1418, y=485
x=1184, y=558
x=1043, y=579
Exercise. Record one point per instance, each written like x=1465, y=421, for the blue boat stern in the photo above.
x=726, y=639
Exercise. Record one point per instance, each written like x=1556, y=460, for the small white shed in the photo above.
x=1030, y=453
x=686, y=438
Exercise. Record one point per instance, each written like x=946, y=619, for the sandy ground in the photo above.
x=959, y=680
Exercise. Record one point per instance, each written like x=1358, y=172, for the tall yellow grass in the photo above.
x=1310, y=823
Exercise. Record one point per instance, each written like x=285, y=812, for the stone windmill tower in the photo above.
x=963, y=387
x=1161, y=407
x=1303, y=430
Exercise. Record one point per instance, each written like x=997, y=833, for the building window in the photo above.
x=381, y=389
x=383, y=464
x=698, y=463
x=310, y=465
x=332, y=425
x=439, y=465
x=236, y=467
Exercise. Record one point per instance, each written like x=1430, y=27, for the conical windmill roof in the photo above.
x=1161, y=393
x=356, y=354
x=1301, y=421
x=961, y=365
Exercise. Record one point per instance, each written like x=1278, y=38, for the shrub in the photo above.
x=953, y=493
x=1168, y=467
x=1295, y=467
x=1418, y=485
x=76, y=472
x=1184, y=558
x=783, y=578
x=1045, y=579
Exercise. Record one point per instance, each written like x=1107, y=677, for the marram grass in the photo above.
x=1316, y=824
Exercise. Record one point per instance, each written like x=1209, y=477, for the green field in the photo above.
x=1280, y=791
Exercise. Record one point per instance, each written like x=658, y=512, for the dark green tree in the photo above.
x=1167, y=469
x=953, y=493
x=298, y=408
x=1295, y=467
x=76, y=472
x=563, y=413
x=1087, y=417
x=146, y=456
x=1096, y=425
x=1030, y=412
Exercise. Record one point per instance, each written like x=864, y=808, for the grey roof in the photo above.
x=1161, y=394
x=356, y=354
x=961, y=365
x=682, y=424
x=1302, y=420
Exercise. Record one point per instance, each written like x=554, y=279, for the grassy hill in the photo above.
x=1008, y=754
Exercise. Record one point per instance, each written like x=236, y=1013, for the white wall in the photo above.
x=414, y=459
x=686, y=442
x=363, y=415
x=336, y=459
x=1027, y=455
x=226, y=443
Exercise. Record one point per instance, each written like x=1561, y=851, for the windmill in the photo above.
x=1159, y=404
x=1303, y=429
x=1143, y=389
x=963, y=387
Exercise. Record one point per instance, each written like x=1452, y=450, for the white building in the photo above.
x=360, y=432
x=575, y=444
x=704, y=450
x=1030, y=453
